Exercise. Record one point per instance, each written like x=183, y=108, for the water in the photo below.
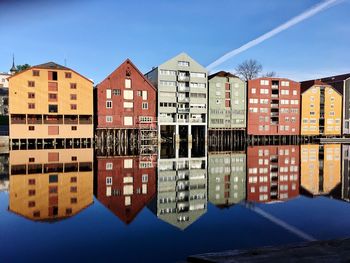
x=188, y=201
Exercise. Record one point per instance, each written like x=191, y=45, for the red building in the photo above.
x=272, y=173
x=125, y=185
x=125, y=99
x=273, y=107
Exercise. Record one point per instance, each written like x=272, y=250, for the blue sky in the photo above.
x=95, y=36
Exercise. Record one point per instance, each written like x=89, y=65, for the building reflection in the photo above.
x=227, y=178
x=125, y=184
x=181, y=185
x=345, y=191
x=50, y=184
x=4, y=172
x=273, y=173
x=320, y=169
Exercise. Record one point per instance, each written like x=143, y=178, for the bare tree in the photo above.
x=270, y=74
x=249, y=69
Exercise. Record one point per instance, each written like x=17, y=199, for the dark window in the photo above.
x=31, y=160
x=31, y=105
x=73, y=106
x=31, y=181
x=74, y=158
x=73, y=85
x=53, y=86
x=31, y=84
x=73, y=96
x=117, y=92
x=53, y=178
x=53, y=75
x=73, y=189
x=31, y=128
x=36, y=213
x=68, y=211
x=53, y=108
x=31, y=192
x=68, y=75
x=31, y=204
x=74, y=128
x=73, y=179
x=73, y=200
x=31, y=95
x=53, y=189
x=36, y=73
x=52, y=97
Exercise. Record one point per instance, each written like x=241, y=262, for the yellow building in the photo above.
x=50, y=101
x=50, y=184
x=321, y=109
x=320, y=168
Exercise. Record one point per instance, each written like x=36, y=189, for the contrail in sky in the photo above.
x=292, y=22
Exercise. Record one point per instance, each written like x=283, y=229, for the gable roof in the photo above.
x=128, y=61
x=336, y=78
x=50, y=65
x=305, y=85
x=224, y=74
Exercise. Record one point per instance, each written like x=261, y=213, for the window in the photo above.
x=53, y=75
x=116, y=92
x=145, y=178
x=31, y=128
x=108, y=104
x=74, y=128
x=109, y=119
x=109, y=166
x=52, y=97
x=53, y=108
x=197, y=75
x=31, y=204
x=73, y=200
x=31, y=181
x=68, y=75
x=144, y=105
x=109, y=181
x=128, y=83
x=74, y=158
x=285, y=83
x=73, y=189
x=108, y=93
x=31, y=95
x=53, y=178
x=128, y=95
x=31, y=105
x=139, y=93
x=31, y=159
x=73, y=85
x=73, y=106
x=73, y=96
x=264, y=82
x=183, y=63
x=31, y=84
x=73, y=179
x=253, y=90
x=144, y=95
x=36, y=73
x=31, y=192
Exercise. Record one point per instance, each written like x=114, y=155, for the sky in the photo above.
x=94, y=37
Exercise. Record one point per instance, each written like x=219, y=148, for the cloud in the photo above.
x=292, y=22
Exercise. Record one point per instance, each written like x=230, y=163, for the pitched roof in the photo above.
x=336, y=78
x=305, y=85
x=222, y=74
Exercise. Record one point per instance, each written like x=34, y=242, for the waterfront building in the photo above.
x=273, y=173
x=4, y=92
x=227, y=102
x=321, y=109
x=181, y=83
x=50, y=184
x=320, y=168
x=342, y=84
x=181, y=188
x=273, y=107
x=125, y=185
x=226, y=178
x=50, y=102
x=126, y=99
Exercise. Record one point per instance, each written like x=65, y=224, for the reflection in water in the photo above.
x=125, y=184
x=345, y=192
x=227, y=178
x=181, y=190
x=273, y=173
x=50, y=184
x=4, y=172
x=320, y=169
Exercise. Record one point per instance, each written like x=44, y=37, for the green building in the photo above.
x=227, y=102
x=227, y=178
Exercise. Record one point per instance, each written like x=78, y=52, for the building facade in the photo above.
x=125, y=99
x=49, y=101
x=182, y=98
x=4, y=93
x=227, y=101
x=50, y=184
x=125, y=185
x=320, y=168
x=273, y=173
x=321, y=109
x=342, y=84
x=227, y=178
x=273, y=107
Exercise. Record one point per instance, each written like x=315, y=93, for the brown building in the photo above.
x=125, y=99
x=50, y=184
x=49, y=102
x=125, y=185
x=272, y=173
x=273, y=107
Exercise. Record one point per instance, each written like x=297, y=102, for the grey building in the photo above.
x=342, y=84
x=4, y=92
x=227, y=101
x=182, y=98
x=227, y=178
x=181, y=196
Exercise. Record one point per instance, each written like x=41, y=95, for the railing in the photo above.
x=183, y=89
x=274, y=105
x=182, y=99
x=187, y=110
x=197, y=120
x=274, y=95
x=274, y=86
x=183, y=78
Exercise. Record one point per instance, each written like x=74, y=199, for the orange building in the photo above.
x=50, y=101
x=50, y=184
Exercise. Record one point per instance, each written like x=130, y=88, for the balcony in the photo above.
x=183, y=89
x=274, y=95
x=274, y=86
x=183, y=110
x=183, y=78
x=274, y=105
x=274, y=175
x=197, y=120
x=274, y=114
x=183, y=99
